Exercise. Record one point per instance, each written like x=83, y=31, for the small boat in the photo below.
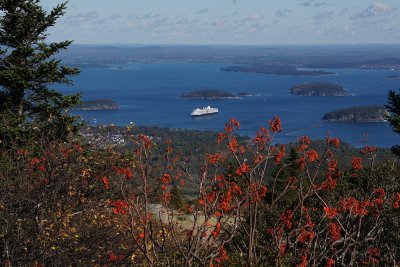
x=204, y=111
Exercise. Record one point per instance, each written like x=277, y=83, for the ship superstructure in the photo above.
x=204, y=111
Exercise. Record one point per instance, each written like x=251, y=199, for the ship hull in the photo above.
x=203, y=115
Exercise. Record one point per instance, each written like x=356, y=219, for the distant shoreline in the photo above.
x=277, y=70
x=209, y=94
x=97, y=105
x=357, y=56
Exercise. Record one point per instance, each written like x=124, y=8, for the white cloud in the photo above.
x=283, y=13
x=82, y=17
x=202, y=11
x=254, y=17
x=312, y=3
x=343, y=12
x=375, y=10
x=321, y=4
x=324, y=16
x=307, y=3
x=185, y=21
x=144, y=16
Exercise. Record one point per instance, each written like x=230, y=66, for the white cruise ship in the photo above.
x=204, y=111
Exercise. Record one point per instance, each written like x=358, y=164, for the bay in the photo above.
x=149, y=95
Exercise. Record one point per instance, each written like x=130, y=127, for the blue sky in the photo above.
x=228, y=21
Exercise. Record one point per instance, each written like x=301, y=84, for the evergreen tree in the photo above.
x=394, y=116
x=178, y=200
x=28, y=70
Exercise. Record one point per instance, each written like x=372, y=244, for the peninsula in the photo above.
x=98, y=104
x=374, y=113
x=209, y=94
x=278, y=70
x=318, y=89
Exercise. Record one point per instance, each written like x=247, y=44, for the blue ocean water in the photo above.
x=149, y=94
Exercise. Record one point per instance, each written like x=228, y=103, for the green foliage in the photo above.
x=394, y=117
x=59, y=203
x=50, y=205
x=28, y=70
x=178, y=200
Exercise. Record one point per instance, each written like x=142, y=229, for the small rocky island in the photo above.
x=318, y=89
x=357, y=114
x=209, y=94
x=98, y=104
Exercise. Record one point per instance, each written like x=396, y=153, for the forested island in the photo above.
x=278, y=70
x=98, y=104
x=208, y=94
x=318, y=89
x=374, y=113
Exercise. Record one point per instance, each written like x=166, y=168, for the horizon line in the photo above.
x=199, y=44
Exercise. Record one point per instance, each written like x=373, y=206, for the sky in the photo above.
x=234, y=22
